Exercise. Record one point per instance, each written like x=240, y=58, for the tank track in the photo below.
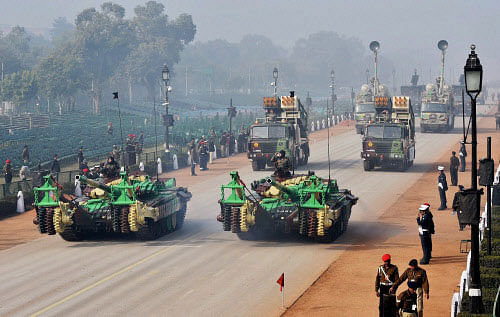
x=312, y=224
x=181, y=214
x=116, y=219
x=49, y=222
x=41, y=216
x=124, y=226
x=235, y=221
x=71, y=234
x=302, y=223
x=226, y=217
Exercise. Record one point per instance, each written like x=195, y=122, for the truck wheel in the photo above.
x=367, y=165
x=255, y=166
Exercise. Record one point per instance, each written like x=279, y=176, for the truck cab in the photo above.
x=283, y=128
x=438, y=110
x=390, y=141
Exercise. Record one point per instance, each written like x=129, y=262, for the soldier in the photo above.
x=203, y=152
x=7, y=172
x=416, y=275
x=463, y=155
x=55, y=167
x=454, y=163
x=387, y=274
x=111, y=169
x=110, y=128
x=407, y=301
x=26, y=155
x=194, y=155
x=281, y=164
x=442, y=187
x=81, y=157
x=116, y=153
x=425, y=231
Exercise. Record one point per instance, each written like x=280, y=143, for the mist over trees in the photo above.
x=106, y=51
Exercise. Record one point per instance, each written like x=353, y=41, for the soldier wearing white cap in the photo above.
x=442, y=187
x=425, y=231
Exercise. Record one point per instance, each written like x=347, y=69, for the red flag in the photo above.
x=281, y=281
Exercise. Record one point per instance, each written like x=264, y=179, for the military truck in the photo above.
x=303, y=205
x=283, y=128
x=364, y=110
x=438, y=106
x=389, y=142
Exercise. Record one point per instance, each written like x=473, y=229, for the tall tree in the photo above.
x=103, y=38
x=19, y=88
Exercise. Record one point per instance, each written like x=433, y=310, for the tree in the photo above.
x=103, y=38
x=60, y=76
x=61, y=30
x=158, y=42
x=19, y=88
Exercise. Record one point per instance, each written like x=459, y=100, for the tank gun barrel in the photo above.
x=287, y=190
x=93, y=183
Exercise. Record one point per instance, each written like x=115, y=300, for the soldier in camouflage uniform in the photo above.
x=281, y=164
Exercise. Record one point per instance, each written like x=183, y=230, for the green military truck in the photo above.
x=283, y=128
x=389, y=142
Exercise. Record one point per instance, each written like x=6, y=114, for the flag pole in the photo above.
x=283, y=298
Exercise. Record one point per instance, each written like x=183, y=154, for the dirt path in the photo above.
x=346, y=288
x=20, y=229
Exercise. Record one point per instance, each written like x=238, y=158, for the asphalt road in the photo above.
x=200, y=270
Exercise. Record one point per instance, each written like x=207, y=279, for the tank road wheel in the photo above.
x=151, y=231
x=49, y=222
x=124, y=226
x=255, y=165
x=235, y=221
x=41, y=216
x=226, y=217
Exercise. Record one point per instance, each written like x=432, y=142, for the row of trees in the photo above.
x=246, y=66
x=102, y=50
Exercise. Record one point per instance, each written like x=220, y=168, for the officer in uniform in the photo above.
x=454, y=164
x=387, y=274
x=419, y=276
x=281, y=164
x=407, y=301
x=425, y=231
x=463, y=155
x=442, y=187
x=111, y=169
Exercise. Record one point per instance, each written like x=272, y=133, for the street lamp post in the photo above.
x=165, y=74
x=275, y=76
x=332, y=86
x=473, y=83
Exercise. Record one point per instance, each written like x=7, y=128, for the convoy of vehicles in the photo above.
x=283, y=128
x=389, y=142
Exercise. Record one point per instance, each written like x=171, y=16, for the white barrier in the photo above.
x=158, y=167
x=455, y=304
x=323, y=123
x=20, y=202
x=175, y=162
x=317, y=125
x=329, y=125
x=312, y=126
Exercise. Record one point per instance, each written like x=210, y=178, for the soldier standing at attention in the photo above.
x=407, y=301
x=281, y=164
x=442, y=187
x=454, y=163
x=425, y=231
x=7, y=172
x=25, y=155
x=463, y=155
x=387, y=274
x=418, y=276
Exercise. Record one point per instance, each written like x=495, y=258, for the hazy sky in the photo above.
x=407, y=30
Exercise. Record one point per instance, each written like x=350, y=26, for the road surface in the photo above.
x=199, y=270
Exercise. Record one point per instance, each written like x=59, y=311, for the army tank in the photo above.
x=306, y=206
x=128, y=205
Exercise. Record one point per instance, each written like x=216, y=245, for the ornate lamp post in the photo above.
x=165, y=74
